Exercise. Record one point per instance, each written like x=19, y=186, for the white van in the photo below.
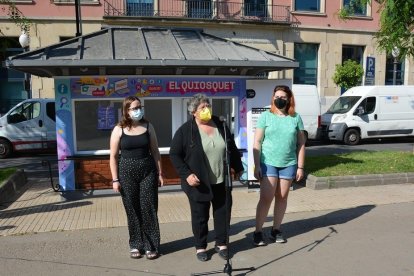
x=29, y=126
x=308, y=106
x=306, y=98
x=370, y=112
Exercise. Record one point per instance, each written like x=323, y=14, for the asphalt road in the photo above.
x=394, y=144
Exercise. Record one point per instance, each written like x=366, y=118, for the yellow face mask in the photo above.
x=205, y=114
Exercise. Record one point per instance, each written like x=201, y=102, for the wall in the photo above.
x=49, y=22
x=94, y=173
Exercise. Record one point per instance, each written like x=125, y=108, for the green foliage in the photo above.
x=397, y=27
x=348, y=74
x=15, y=15
x=6, y=173
x=360, y=163
x=396, y=24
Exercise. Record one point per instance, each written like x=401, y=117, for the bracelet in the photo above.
x=115, y=180
x=301, y=168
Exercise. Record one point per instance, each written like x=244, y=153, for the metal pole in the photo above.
x=394, y=73
x=27, y=82
x=78, y=18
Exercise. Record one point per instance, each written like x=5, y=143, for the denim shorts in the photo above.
x=288, y=172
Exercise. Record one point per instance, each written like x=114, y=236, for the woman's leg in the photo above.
x=199, y=222
x=149, y=208
x=219, y=213
x=281, y=197
x=267, y=193
x=130, y=198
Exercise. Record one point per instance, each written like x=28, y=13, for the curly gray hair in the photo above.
x=195, y=101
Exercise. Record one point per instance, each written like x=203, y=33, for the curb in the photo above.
x=332, y=182
x=13, y=186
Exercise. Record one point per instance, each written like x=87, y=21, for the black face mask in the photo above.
x=280, y=103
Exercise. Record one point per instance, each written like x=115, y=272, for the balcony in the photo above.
x=202, y=9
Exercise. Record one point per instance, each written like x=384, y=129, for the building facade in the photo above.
x=308, y=31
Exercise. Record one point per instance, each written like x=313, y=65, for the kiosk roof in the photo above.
x=148, y=51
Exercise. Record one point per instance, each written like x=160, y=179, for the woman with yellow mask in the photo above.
x=198, y=153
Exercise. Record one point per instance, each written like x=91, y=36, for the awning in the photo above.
x=148, y=51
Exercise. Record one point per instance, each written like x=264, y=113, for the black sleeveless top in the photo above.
x=135, y=146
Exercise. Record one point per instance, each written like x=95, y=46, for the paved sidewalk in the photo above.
x=40, y=209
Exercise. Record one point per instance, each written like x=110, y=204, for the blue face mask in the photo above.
x=137, y=115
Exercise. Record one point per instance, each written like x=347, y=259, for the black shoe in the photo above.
x=223, y=253
x=258, y=239
x=202, y=256
x=277, y=236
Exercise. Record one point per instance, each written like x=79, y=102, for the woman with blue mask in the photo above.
x=136, y=174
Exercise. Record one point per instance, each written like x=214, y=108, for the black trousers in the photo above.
x=200, y=214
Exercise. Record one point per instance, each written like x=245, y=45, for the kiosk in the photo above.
x=164, y=67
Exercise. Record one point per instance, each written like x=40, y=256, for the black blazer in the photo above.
x=187, y=156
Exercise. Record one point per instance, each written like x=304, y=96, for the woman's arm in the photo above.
x=300, y=174
x=156, y=153
x=257, y=149
x=177, y=154
x=113, y=157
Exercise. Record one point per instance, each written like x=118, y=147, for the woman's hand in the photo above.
x=193, y=180
x=300, y=174
x=116, y=186
x=160, y=180
x=258, y=172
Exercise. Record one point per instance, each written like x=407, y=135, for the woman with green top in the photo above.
x=279, y=158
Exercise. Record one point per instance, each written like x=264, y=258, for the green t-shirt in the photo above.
x=280, y=138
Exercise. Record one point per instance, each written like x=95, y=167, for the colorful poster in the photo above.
x=106, y=117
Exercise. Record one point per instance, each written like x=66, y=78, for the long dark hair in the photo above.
x=290, y=107
x=126, y=120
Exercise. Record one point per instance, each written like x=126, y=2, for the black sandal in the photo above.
x=135, y=254
x=223, y=253
x=202, y=256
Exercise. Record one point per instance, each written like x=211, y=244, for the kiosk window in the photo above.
x=94, y=121
x=159, y=113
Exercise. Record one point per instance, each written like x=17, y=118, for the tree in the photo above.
x=349, y=74
x=396, y=24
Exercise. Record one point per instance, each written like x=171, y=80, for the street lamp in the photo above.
x=24, y=41
x=395, y=53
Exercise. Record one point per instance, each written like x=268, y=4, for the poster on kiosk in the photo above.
x=258, y=98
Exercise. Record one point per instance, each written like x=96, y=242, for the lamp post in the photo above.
x=395, y=53
x=78, y=18
x=24, y=41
